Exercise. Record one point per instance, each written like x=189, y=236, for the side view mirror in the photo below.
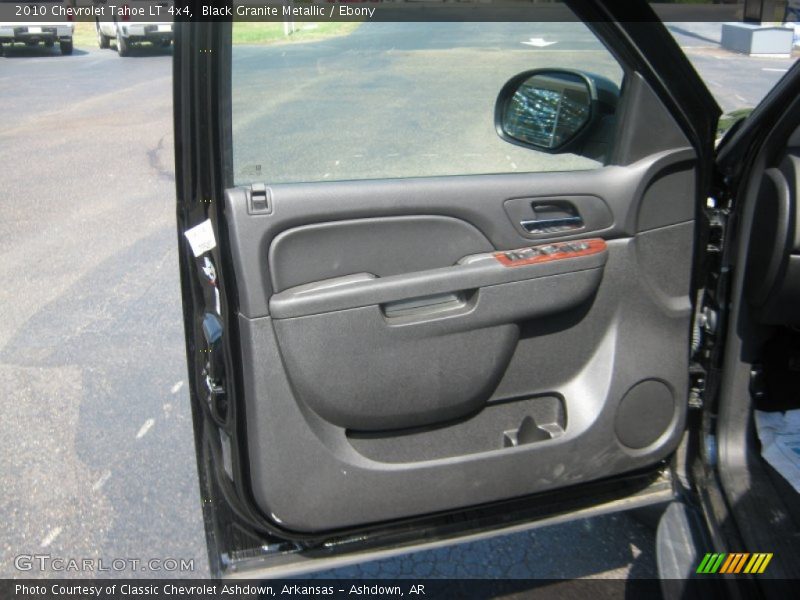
x=551, y=110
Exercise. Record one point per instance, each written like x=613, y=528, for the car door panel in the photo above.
x=382, y=246
x=364, y=379
x=453, y=291
x=546, y=365
x=396, y=374
x=427, y=368
x=630, y=192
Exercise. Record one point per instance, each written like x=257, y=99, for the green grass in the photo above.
x=272, y=33
x=246, y=33
x=728, y=120
x=84, y=35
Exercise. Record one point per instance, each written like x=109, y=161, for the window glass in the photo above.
x=339, y=101
x=738, y=80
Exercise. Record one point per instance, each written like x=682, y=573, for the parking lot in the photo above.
x=96, y=447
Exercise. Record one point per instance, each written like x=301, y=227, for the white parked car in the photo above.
x=32, y=34
x=42, y=31
x=126, y=30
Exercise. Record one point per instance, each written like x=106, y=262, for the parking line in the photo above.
x=101, y=481
x=145, y=428
x=51, y=537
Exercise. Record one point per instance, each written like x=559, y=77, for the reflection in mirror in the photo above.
x=548, y=109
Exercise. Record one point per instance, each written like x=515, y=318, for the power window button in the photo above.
x=259, y=199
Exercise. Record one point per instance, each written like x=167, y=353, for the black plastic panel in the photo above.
x=773, y=265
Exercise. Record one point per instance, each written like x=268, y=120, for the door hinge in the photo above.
x=214, y=368
x=697, y=385
x=259, y=199
x=216, y=395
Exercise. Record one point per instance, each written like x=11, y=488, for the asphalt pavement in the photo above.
x=396, y=100
x=96, y=451
x=97, y=456
x=406, y=99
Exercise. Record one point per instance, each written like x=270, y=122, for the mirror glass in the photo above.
x=548, y=109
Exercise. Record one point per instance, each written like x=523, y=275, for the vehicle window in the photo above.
x=721, y=55
x=338, y=101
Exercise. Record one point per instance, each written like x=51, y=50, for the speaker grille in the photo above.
x=644, y=414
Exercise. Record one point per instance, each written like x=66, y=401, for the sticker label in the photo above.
x=201, y=238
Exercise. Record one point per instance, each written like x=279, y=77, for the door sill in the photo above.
x=478, y=524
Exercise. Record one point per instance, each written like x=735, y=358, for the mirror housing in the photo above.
x=552, y=110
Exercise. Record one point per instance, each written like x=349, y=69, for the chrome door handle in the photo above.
x=553, y=225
